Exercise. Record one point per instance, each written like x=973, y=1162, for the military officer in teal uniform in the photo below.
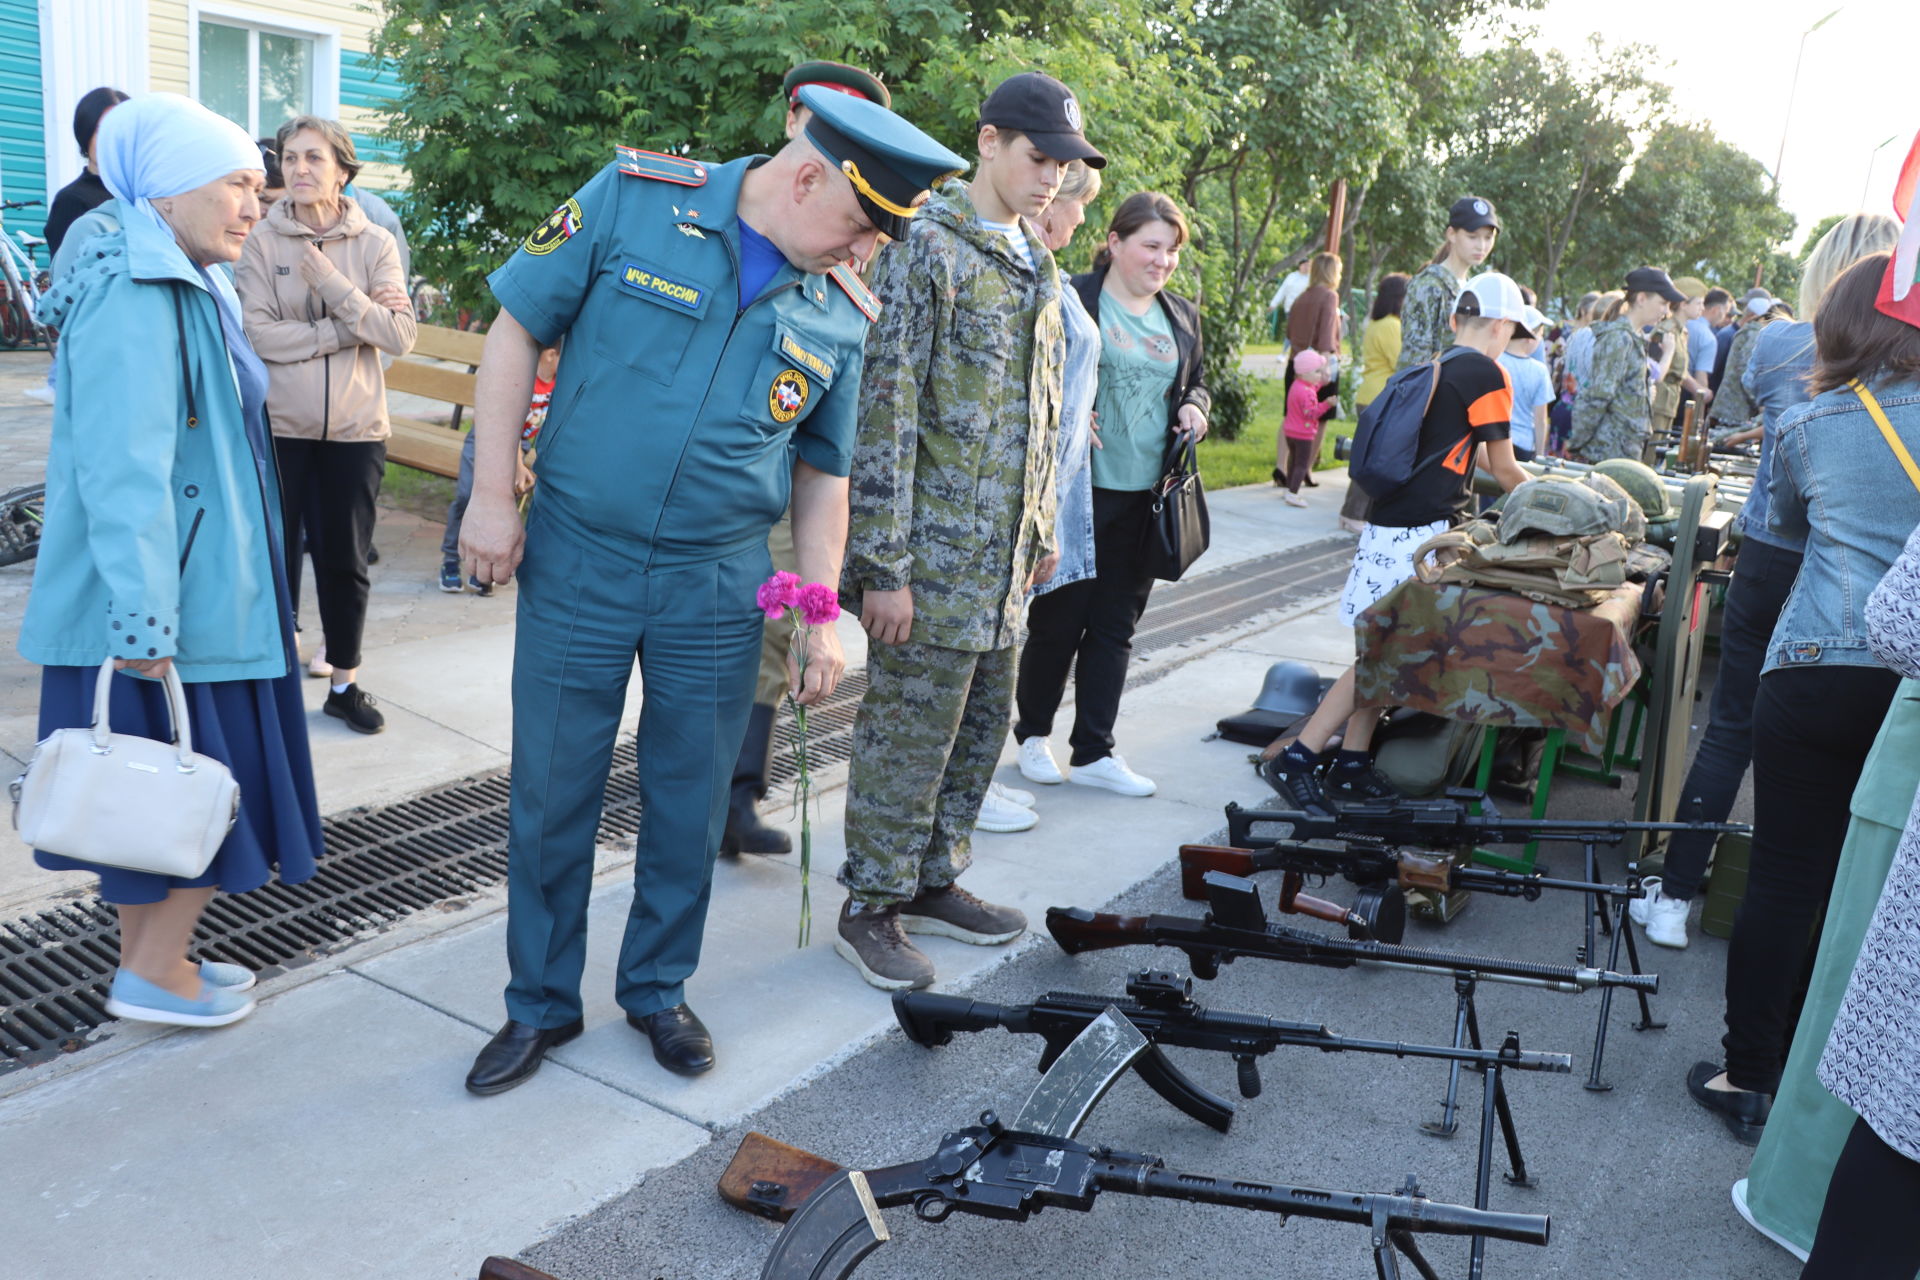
x=710, y=372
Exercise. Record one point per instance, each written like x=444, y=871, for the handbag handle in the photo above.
x=176, y=710
x=1894, y=442
x=1181, y=462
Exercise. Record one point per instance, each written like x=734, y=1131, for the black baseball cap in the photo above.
x=1046, y=111
x=1470, y=213
x=1653, y=280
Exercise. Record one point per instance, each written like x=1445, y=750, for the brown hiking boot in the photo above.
x=952, y=912
x=870, y=939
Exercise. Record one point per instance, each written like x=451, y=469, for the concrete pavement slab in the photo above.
x=328, y=1135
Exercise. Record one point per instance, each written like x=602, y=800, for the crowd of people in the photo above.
x=869, y=370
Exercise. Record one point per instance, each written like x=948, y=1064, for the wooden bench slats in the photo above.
x=433, y=446
x=436, y=382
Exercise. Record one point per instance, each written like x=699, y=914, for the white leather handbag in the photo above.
x=126, y=801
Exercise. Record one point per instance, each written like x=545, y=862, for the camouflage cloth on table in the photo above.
x=1494, y=658
x=925, y=743
x=1733, y=409
x=1611, y=410
x=1424, y=330
x=1666, y=393
x=952, y=486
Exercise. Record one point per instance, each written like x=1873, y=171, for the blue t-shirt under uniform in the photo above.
x=759, y=262
x=1532, y=389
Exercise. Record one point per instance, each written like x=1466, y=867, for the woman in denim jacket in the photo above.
x=1823, y=692
x=1776, y=379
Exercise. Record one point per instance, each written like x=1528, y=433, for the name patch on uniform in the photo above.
x=788, y=395
x=678, y=292
x=801, y=356
x=561, y=226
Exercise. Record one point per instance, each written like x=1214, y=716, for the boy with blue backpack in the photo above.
x=1414, y=453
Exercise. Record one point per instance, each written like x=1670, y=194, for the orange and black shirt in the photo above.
x=1472, y=405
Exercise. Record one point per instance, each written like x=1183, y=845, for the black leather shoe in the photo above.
x=1743, y=1112
x=515, y=1053
x=680, y=1040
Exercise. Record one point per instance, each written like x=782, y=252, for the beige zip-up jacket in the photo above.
x=322, y=340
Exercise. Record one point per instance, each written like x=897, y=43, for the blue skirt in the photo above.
x=257, y=728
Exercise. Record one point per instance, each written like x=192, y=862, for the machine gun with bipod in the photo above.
x=1012, y=1172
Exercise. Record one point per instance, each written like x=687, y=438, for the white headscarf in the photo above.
x=162, y=144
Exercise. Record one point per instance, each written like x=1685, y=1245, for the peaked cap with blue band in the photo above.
x=888, y=160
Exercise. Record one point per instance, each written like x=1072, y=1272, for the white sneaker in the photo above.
x=1024, y=799
x=320, y=668
x=43, y=393
x=1740, y=1207
x=1664, y=918
x=1111, y=774
x=1036, y=763
x=1293, y=500
x=1000, y=814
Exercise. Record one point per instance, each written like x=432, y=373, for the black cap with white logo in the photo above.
x=1046, y=111
x=1470, y=213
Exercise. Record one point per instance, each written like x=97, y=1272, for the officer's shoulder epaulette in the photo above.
x=636, y=163
x=863, y=298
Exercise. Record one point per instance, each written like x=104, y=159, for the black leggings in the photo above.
x=1866, y=1229
x=1812, y=730
x=1088, y=625
x=334, y=485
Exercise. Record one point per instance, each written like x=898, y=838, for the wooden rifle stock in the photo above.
x=1077, y=929
x=1198, y=859
x=497, y=1268
x=770, y=1178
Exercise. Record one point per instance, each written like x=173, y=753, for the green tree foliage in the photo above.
x=1694, y=204
x=508, y=106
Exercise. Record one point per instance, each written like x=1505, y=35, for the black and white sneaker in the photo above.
x=1359, y=786
x=1299, y=787
x=357, y=707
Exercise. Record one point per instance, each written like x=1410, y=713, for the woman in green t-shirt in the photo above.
x=1150, y=387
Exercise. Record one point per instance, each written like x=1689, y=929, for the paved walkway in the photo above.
x=305, y=1126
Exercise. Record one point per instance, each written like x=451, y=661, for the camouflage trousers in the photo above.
x=925, y=743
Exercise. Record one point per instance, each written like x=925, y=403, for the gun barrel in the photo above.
x=1132, y=1176
x=1522, y=885
x=1491, y=967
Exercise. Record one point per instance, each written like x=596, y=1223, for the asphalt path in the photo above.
x=1636, y=1180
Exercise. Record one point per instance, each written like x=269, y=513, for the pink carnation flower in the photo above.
x=819, y=604
x=778, y=594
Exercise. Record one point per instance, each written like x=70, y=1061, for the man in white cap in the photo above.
x=1468, y=420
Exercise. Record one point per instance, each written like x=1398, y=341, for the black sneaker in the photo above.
x=480, y=588
x=450, y=578
x=357, y=707
x=1359, y=786
x=1299, y=787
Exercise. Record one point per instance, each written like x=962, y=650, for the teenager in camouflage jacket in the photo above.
x=1612, y=411
x=952, y=485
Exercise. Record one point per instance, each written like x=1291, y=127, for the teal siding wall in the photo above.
x=366, y=84
x=23, y=155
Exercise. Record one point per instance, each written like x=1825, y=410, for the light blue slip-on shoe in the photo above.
x=134, y=998
x=231, y=976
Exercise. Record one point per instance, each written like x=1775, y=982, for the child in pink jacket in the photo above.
x=1301, y=429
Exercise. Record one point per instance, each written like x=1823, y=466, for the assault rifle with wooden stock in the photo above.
x=1384, y=875
x=1237, y=926
x=1160, y=1005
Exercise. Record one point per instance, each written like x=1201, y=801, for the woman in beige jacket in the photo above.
x=322, y=296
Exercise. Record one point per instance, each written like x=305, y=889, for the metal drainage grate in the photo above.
x=435, y=850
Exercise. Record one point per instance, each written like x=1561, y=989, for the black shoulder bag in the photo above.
x=1177, y=529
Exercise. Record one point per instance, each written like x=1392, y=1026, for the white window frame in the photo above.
x=326, y=53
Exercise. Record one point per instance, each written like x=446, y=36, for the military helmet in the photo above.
x=1592, y=504
x=1640, y=480
x=1290, y=689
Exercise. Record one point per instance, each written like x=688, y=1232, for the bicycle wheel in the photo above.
x=22, y=512
x=14, y=325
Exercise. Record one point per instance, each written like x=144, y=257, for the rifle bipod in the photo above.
x=1608, y=914
x=1494, y=1110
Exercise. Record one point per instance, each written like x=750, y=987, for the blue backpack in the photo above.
x=1386, y=442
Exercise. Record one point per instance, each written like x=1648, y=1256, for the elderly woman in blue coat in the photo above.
x=160, y=542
